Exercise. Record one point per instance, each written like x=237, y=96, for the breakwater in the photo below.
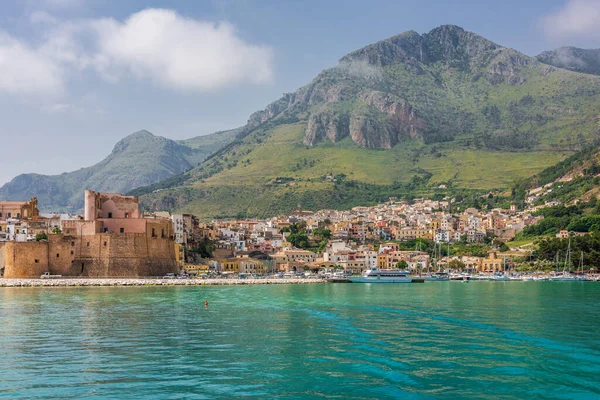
x=151, y=282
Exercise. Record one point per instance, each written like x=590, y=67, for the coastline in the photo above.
x=79, y=282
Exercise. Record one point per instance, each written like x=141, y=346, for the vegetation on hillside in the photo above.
x=464, y=114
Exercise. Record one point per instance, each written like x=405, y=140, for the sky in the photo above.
x=76, y=76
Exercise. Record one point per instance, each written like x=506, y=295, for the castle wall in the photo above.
x=26, y=259
x=60, y=254
x=2, y=255
x=128, y=225
x=107, y=255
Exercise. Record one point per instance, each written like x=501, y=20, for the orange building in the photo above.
x=19, y=209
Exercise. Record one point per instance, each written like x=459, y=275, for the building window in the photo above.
x=0, y=215
x=57, y=255
x=126, y=215
x=162, y=233
x=122, y=230
x=18, y=215
x=37, y=261
x=105, y=243
x=109, y=215
x=72, y=252
x=88, y=244
x=72, y=244
x=8, y=215
x=105, y=230
x=153, y=232
x=68, y=231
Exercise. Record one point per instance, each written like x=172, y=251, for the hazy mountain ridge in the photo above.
x=586, y=61
x=140, y=159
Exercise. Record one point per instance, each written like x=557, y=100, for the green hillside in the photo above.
x=399, y=117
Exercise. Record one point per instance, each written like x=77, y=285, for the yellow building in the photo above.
x=197, y=269
x=179, y=255
x=410, y=233
x=354, y=266
x=230, y=265
x=434, y=225
x=492, y=263
x=251, y=266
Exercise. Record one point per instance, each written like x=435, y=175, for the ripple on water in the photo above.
x=329, y=341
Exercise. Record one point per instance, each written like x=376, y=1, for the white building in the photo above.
x=177, y=220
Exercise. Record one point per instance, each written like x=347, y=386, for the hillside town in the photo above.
x=304, y=242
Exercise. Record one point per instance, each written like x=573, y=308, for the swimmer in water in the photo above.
x=206, y=303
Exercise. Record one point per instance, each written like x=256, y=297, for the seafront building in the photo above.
x=113, y=238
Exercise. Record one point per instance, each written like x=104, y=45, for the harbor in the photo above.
x=294, y=280
x=80, y=282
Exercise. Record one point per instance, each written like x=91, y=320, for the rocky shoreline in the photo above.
x=72, y=282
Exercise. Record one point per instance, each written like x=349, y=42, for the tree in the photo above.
x=402, y=264
x=456, y=265
x=56, y=231
x=41, y=236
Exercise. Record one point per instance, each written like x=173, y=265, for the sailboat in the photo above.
x=566, y=273
x=438, y=275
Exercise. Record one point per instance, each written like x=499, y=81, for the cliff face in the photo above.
x=369, y=95
x=379, y=121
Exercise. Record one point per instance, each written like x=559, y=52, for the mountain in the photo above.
x=139, y=159
x=586, y=61
x=407, y=116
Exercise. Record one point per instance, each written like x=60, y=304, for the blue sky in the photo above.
x=76, y=76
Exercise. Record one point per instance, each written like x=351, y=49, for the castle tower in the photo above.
x=90, y=205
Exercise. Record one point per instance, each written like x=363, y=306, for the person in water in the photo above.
x=206, y=303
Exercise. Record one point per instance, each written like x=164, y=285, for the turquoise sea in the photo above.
x=443, y=340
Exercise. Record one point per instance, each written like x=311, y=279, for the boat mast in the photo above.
x=568, y=257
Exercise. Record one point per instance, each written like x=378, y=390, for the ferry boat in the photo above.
x=382, y=276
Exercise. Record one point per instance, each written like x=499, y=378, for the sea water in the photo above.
x=348, y=341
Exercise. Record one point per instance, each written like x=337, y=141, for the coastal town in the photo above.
x=114, y=239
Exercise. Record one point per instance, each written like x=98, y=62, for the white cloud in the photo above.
x=577, y=18
x=25, y=70
x=178, y=52
x=154, y=45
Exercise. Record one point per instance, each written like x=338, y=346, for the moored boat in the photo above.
x=382, y=276
x=439, y=276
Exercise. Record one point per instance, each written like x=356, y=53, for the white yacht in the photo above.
x=382, y=276
x=436, y=276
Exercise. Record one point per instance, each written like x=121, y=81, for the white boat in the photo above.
x=382, y=276
x=440, y=276
x=566, y=277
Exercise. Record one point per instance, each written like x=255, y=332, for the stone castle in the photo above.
x=113, y=240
